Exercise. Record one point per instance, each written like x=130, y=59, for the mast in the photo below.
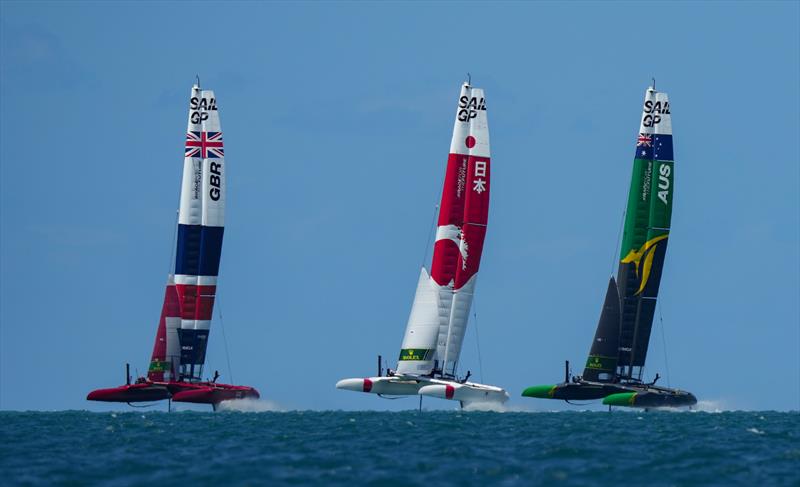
x=647, y=225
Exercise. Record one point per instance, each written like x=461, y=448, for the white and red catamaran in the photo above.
x=438, y=321
x=179, y=353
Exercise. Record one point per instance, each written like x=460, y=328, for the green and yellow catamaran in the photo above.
x=617, y=356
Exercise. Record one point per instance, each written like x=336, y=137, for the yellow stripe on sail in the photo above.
x=647, y=251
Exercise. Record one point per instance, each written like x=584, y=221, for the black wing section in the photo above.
x=602, y=362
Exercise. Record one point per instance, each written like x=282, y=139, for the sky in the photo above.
x=337, y=121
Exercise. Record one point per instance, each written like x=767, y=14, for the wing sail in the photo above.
x=647, y=225
x=200, y=229
x=461, y=228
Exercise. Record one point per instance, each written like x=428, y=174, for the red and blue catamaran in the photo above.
x=179, y=353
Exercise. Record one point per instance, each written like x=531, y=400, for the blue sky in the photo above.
x=337, y=121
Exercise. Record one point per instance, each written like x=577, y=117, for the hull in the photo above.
x=143, y=392
x=467, y=392
x=211, y=393
x=194, y=392
x=619, y=394
x=652, y=398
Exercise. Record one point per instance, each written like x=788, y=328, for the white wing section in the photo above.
x=656, y=116
x=454, y=323
x=471, y=121
x=664, y=127
x=419, y=343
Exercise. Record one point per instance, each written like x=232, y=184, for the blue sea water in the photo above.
x=404, y=449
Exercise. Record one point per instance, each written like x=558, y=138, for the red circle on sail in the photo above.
x=470, y=141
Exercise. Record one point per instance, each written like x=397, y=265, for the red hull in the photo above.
x=195, y=392
x=210, y=393
x=143, y=392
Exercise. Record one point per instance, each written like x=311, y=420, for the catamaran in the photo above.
x=431, y=346
x=176, y=367
x=617, y=356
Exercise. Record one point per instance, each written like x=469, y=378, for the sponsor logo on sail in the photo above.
x=598, y=362
x=416, y=354
x=462, y=177
x=646, y=179
x=159, y=366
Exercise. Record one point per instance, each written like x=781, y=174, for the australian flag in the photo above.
x=654, y=146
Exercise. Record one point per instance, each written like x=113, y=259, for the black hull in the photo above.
x=629, y=394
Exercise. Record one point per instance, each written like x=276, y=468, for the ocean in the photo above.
x=411, y=448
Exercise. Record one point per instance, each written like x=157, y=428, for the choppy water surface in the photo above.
x=407, y=448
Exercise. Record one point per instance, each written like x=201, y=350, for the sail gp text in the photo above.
x=199, y=108
x=653, y=112
x=468, y=108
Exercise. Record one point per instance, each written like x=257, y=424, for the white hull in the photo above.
x=404, y=385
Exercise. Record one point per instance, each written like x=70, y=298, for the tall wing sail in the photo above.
x=463, y=215
x=647, y=225
x=165, y=360
x=200, y=228
x=602, y=362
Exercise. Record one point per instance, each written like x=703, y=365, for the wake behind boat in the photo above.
x=179, y=353
x=435, y=331
x=616, y=360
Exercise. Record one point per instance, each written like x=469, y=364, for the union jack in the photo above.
x=206, y=145
x=644, y=140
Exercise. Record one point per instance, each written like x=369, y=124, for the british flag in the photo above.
x=207, y=145
x=644, y=140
